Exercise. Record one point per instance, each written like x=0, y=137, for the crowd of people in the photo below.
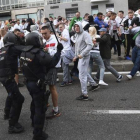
x=84, y=40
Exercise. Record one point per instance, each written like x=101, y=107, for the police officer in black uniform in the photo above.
x=35, y=61
x=8, y=66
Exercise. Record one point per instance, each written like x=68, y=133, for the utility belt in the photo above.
x=40, y=83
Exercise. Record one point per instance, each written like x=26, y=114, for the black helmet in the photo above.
x=10, y=37
x=34, y=39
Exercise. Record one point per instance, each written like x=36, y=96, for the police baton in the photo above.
x=54, y=32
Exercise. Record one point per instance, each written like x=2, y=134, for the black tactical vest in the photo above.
x=5, y=68
x=31, y=65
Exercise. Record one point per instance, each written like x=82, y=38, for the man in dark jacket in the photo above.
x=105, y=50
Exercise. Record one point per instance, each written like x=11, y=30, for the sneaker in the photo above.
x=88, y=84
x=119, y=78
x=129, y=76
x=82, y=97
x=57, y=80
x=20, y=85
x=43, y=137
x=101, y=82
x=127, y=58
x=53, y=114
x=93, y=88
x=138, y=74
x=70, y=82
x=95, y=78
x=15, y=129
x=63, y=84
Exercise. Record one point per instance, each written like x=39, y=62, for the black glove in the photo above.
x=59, y=47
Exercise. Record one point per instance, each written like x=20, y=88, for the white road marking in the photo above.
x=106, y=73
x=121, y=112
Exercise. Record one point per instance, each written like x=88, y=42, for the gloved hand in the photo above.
x=60, y=47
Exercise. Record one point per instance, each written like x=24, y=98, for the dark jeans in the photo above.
x=38, y=107
x=135, y=60
x=128, y=43
x=14, y=101
x=75, y=68
x=117, y=43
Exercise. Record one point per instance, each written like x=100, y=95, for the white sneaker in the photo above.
x=129, y=77
x=101, y=82
x=88, y=84
x=57, y=80
x=138, y=74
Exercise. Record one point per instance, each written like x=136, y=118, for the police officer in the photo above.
x=17, y=41
x=8, y=65
x=35, y=61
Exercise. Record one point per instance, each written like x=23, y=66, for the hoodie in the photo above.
x=134, y=31
x=83, y=43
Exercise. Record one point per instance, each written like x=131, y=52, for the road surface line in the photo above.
x=125, y=112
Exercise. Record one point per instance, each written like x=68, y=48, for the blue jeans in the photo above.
x=135, y=60
x=96, y=57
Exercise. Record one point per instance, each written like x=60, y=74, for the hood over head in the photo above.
x=80, y=25
x=90, y=18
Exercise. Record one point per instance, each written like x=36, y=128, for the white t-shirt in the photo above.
x=66, y=44
x=55, y=22
x=96, y=47
x=113, y=25
x=121, y=23
x=1, y=43
x=84, y=23
x=106, y=20
x=51, y=44
x=18, y=27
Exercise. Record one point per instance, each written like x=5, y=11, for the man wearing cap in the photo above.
x=105, y=50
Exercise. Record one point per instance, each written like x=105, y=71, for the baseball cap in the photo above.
x=103, y=30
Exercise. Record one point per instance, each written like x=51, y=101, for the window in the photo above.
x=109, y=7
x=70, y=13
x=94, y=9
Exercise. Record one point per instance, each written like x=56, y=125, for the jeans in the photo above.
x=14, y=101
x=66, y=73
x=135, y=60
x=38, y=107
x=94, y=56
x=109, y=68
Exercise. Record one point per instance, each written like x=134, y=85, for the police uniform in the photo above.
x=35, y=61
x=14, y=101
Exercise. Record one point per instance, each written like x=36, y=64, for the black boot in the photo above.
x=17, y=128
x=43, y=137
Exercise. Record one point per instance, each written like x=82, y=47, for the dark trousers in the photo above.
x=38, y=107
x=75, y=68
x=128, y=43
x=14, y=101
x=117, y=43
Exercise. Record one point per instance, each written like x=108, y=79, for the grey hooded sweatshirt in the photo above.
x=135, y=31
x=83, y=43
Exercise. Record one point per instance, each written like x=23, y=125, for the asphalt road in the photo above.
x=78, y=120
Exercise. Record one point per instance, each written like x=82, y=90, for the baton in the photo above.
x=54, y=33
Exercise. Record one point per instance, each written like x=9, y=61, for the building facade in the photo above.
x=37, y=9
x=18, y=9
x=68, y=8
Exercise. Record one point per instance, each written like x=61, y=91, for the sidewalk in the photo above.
x=120, y=64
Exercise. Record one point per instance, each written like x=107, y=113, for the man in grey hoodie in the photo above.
x=83, y=46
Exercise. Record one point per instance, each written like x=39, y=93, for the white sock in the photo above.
x=55, y=109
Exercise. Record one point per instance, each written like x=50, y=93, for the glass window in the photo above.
x=94, y=9
x=109, y=7
x=33, y=16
